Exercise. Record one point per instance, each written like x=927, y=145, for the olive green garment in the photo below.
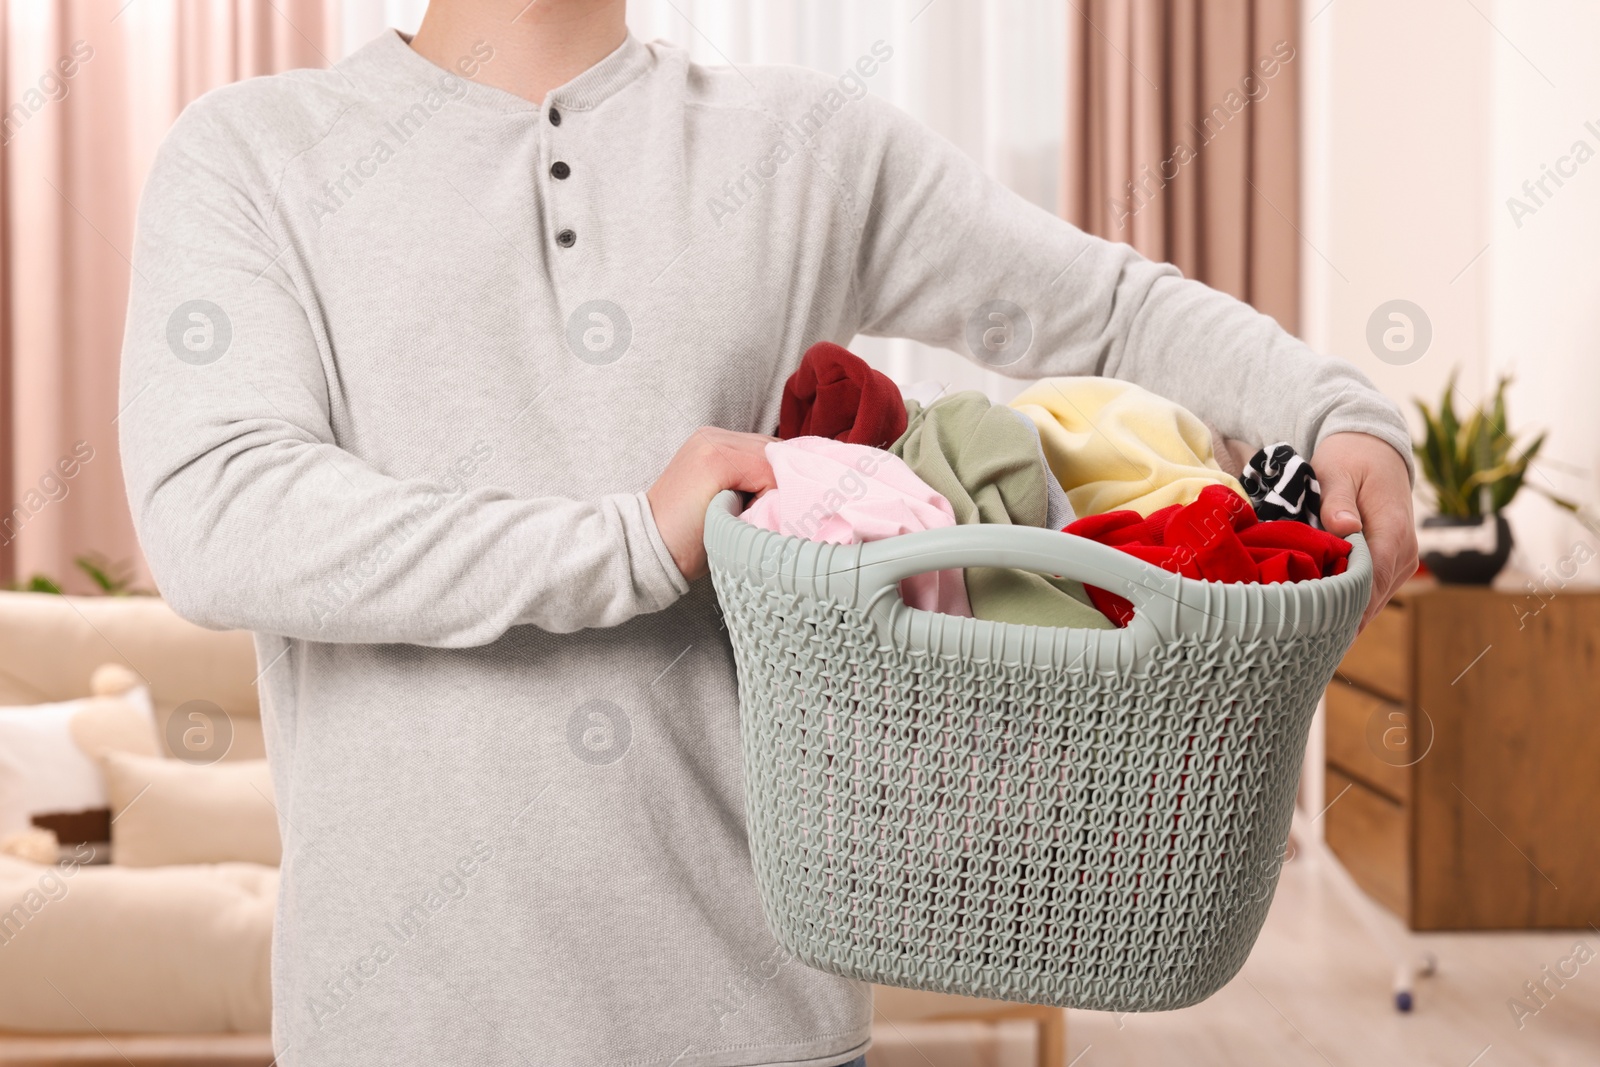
x=986, y=462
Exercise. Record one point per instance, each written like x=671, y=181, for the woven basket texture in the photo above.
x=1091, y=819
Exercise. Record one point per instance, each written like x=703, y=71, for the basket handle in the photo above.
x=884, y=564
x=867, y=576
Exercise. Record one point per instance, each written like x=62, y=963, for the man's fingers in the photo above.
x=755, y=473
x=754, y=478
x=749, y=472
x=1367, y=489
x=1393, y=545
x=742, y=457
x=1340, y=514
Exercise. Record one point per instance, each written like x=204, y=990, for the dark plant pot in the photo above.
x=1466, y=566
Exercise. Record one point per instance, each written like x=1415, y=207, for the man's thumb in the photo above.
x=1340, y=515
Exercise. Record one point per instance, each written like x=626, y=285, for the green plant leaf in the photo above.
x=39, y=583
x=112, y=579
x=1559, y=501
x=1505, y=489
x=1473, y=462
x=1432, y=453
x=1497, y=417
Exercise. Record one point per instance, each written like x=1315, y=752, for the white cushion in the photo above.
x=44, y=770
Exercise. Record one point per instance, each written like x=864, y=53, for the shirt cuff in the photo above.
x=657, y=574
x=1375, y=420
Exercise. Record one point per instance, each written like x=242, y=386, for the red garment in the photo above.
x=835, y=394
x=1216, y=539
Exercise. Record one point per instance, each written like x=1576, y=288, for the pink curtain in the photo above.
x=1183, y=138
x=90, y=87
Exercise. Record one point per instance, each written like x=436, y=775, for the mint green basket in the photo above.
x=1086, y=818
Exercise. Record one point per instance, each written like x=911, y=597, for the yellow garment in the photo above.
x=1114, y=445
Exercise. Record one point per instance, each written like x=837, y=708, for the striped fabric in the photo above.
x=1281, y=485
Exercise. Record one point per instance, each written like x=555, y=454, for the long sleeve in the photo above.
x=941, y=240
x=250, y=513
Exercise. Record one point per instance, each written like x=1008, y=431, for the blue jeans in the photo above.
x=859, y=1061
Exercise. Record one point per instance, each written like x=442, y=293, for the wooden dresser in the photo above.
x=1463, y=758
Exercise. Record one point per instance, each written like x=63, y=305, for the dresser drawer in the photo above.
x=1367, y=831
x=1372, y=740
x=1380, y=659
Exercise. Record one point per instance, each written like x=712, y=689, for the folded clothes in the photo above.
x=1217, y=539
x=986, y=462
x=1116, y=446
x=845, y=494
x=1281, y=485
x=834, y=394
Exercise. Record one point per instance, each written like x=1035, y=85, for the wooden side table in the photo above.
x=893, y=1006
x=1463, y=751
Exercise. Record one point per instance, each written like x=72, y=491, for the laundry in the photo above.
x=987, y=464
x=1217, y=538
x=1230, y=453
x=845, y=494
x=834, y=394
x=1058, y=508
x=1116, y=446
x=1281, y=485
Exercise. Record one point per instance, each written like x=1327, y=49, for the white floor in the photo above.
x=1316, y=991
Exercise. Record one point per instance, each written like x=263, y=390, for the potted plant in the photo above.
x=111, y=579
x=1475, y=469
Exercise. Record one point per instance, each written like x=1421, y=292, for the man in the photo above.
x=433, y=363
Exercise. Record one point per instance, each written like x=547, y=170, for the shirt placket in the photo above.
x=559, y=172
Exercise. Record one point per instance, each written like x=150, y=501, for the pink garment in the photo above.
x=847, y=494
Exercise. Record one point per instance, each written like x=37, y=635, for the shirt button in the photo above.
x=555, y=117
x=559, y=170
x=566, y=238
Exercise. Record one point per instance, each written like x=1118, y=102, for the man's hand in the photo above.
x=1365, y=488
x=711, y=460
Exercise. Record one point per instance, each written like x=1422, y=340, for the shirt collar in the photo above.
x=613, y=73
x=391, y=59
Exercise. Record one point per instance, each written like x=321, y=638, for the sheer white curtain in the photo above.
x=362, y=20
x=988, y=74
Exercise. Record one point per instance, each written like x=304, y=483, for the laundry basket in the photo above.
x=1085, y=818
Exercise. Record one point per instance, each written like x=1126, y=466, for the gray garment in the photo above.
x=1058, y=508
x=375, y=411
x=1230, y=456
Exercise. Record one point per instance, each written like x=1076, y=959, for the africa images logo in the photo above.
x=199, y=332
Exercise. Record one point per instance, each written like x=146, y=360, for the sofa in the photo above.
x=50, y=645
x=49, y=648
